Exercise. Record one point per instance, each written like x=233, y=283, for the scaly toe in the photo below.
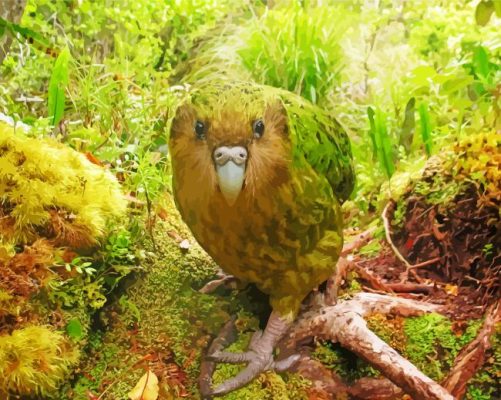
x=230, y=358
x=258, y=363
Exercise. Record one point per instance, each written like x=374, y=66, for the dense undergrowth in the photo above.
x=406, y=79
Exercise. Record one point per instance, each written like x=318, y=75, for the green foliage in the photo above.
x=381, y=141
x=26, y=33
x=74, y=329
x=424, y=118
x=57, y=86
x=34, y=360
x=432, y=344
x=296, y=49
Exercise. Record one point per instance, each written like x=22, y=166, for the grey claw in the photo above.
x=243, y=378
x=286, y=363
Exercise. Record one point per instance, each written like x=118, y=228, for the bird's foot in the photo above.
x=259, y=358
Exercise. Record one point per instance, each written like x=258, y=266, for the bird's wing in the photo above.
x=322, y=142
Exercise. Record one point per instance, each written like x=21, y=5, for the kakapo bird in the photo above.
x=259, y=175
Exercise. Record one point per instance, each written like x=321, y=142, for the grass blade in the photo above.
x=57, y=85
x=384, y=144
x=426, y=128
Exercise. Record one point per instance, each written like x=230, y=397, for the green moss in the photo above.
x=432, y=345
x=34, y=361
x=485, y=384
x=390, y=329
x=346, y=364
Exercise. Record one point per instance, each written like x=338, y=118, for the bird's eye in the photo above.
x=200, y=130
x=258, y=128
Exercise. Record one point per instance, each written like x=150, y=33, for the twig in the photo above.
x=408, y=267
x=358, y=241
x=425, y=263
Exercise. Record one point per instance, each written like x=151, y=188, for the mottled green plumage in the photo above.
x=285, y=231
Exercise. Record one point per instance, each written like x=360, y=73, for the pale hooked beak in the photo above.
x=230, y=167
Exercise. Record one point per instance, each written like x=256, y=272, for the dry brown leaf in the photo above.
x=451, y=289
x=146, y=388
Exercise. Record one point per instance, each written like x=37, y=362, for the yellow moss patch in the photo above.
x=48, y=189
x=34, y=360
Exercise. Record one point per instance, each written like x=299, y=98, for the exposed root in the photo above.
x=344, y=323
x=472, y=357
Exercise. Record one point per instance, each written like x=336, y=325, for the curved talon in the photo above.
x=243, y=378
x=286, y=363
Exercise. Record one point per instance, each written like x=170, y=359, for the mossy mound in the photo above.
x=452, y=215
x=56, y=208
x=48, y=190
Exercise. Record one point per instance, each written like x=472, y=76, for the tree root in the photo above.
x=472, y=357
x=344, y=323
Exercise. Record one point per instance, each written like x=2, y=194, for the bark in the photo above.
x=344, y=323
x=472, y=357
x=12, y=11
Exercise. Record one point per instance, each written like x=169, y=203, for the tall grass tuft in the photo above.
x=296, y=49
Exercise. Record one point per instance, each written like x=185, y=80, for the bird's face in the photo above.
x=235, y=146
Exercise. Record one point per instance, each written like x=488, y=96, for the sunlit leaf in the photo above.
x=146, y=388
x=422, y=75
x=57, y=85
x=481, y=62
x=384, y=145
x=497, y=8
x=455, y=84
x=426, y=128
x=484, y=12
x=74, y=329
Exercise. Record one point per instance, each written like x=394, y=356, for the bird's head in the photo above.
x=232, y=141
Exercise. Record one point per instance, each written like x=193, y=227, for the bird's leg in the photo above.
x=259, y=357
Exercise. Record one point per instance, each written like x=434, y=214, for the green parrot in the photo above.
x=259, y=176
